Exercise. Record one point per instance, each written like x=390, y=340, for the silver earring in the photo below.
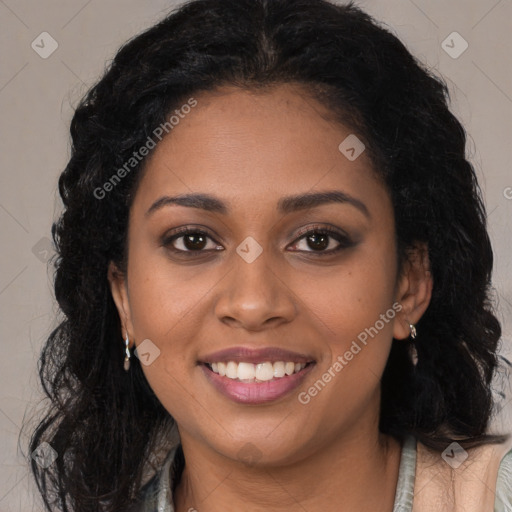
x=412, y=350
x=127, y=351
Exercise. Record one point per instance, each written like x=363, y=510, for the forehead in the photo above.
x=246, y=145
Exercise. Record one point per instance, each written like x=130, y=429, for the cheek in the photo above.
x=164, y=305
x=164, y=296
x=356, y=339
x=351, y=298
x=354, y=315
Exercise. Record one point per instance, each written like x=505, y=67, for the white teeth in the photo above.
x=279, y=369
x=245, y=371
x=249, y=372
x=232, y=370
x=264, y=371
x=289, y=368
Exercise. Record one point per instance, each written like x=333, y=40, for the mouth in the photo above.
x=252, y=376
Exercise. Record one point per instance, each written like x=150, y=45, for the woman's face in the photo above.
x=256, y=283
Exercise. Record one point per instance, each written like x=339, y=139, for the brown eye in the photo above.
x=323, y=241
x=318, y=241
x=194, y=241
x=190, y=240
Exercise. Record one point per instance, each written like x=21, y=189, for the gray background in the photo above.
x=36, y=100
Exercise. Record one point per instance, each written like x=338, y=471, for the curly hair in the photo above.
x=106, y=424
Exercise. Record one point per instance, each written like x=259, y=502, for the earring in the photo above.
x=412, y=350
x=127, y=356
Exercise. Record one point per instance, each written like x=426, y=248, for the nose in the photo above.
x=255, y=296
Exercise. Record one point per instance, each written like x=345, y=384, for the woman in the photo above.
x=275, y=290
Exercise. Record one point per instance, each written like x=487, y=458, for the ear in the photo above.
x=414, y=290
x=119, y=290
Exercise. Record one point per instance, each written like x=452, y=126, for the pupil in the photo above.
x=189, y=241
x=320, y=241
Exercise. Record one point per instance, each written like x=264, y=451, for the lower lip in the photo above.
x=256, y=392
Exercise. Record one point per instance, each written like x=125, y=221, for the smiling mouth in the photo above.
x=256, y=372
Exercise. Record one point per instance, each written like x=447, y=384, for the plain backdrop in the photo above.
x=37, y=96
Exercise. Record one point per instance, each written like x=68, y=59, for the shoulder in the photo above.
x=504, y=484
x=156, y=494
x=147, y=497
x=459, y=480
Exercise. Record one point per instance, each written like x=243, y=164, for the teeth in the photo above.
x=261, y=372
x=289, y=368
x=232, y=370
x=279, y=369
x=264, y=371
x=245, y=371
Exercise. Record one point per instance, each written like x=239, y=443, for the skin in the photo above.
x=249, y=150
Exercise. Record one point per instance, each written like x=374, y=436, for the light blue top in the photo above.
x=158, y=495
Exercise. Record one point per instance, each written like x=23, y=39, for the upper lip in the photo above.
x=252, y=355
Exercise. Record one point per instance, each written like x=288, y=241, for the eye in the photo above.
x=190, y=240
x=323, y=241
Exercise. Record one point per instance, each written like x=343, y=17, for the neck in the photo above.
x=333, y=478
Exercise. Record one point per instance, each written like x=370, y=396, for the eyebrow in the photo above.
x=285, y=205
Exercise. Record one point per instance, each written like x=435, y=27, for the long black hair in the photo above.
x=107, y=425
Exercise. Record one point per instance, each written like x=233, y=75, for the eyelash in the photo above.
x=344, y=241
